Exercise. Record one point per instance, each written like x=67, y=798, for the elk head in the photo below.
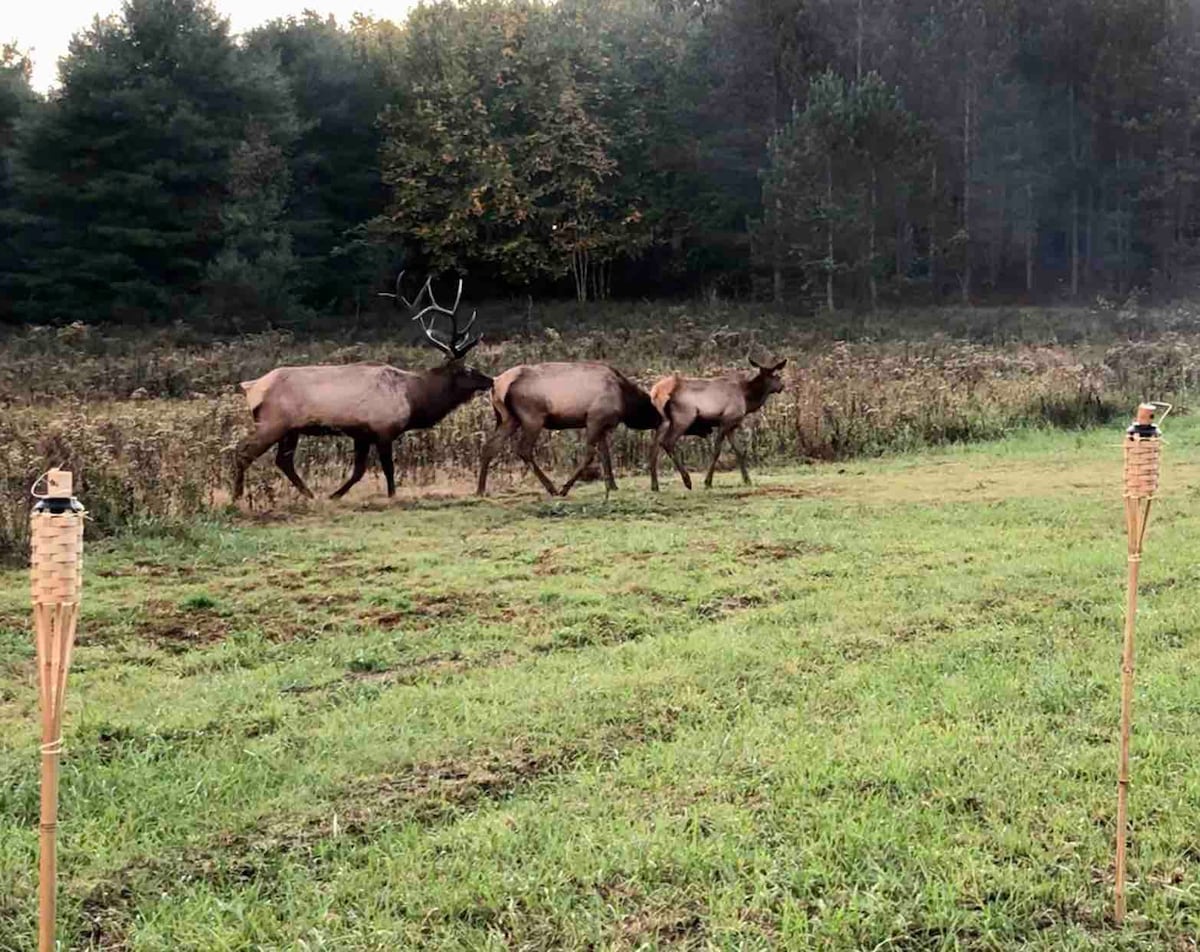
x=454, y=345
x=769, y=374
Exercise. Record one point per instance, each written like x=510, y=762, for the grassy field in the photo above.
x=856, y=706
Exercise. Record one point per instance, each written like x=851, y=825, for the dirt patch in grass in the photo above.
x=766, y=551
x=325, y=599
x=427, y=610
x=674, y=927
x=661, y=599
x=723, y=605
x=145, y=569
x=287, y=580
x=177, y=630
x=431, y=667
x=109, y=742
x=780, y=492
x=433, y=792
x=645, y=923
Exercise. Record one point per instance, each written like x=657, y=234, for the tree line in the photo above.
x=817, y=153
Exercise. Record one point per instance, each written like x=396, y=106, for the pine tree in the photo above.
x=128, y=167
x=338, y=90
x=17, y=105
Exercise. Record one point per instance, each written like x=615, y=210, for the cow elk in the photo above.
x=696, y=407
x=371, y=403
x=564, y=396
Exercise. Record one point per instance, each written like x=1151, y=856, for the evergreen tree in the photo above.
x=338, y=90
x=17, y=105
x=129, y=167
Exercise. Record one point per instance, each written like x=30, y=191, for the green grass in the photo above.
x=856, y=706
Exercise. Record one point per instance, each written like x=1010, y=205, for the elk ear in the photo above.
x=779, y=366
x=754, y=363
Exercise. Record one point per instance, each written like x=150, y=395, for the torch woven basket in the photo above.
x=1142, y=456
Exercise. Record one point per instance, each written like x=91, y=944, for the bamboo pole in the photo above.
x=1143, y=451
x=56, y=525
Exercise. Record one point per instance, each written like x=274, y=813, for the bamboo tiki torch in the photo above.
x=1143, y=450
x=56, y=525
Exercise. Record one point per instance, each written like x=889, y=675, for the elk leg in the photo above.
x=285, y=459
x=610, y=482
x=708, y=477
x=384, y=449
x=678, y=461
x=594, y=436
x=361, y=449
x=525, y=451
x=588, y=456
x=491, y=447
x=741, y=459
x=674, y=432
x=248, y=450
x=654, y=441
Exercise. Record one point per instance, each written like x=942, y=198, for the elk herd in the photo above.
x=374, y=404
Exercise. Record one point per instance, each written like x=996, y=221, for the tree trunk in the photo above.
x=1088, y=236
x=874, y=204
x=1074, y=156
x=858, y=58
x=829, y=231
x=1119, y=215
x=966, y=214
x=777, y=270
x=579, y=268
x=1075, y=242
x=1030, y=232
x=996, y=258
x=933, y=202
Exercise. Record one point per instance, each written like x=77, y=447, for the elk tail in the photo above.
x=661, y=392
x=502, y=395
x=256, y=392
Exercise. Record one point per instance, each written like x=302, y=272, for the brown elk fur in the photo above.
x=564, y=396
x=372, y=403
x=693, y=406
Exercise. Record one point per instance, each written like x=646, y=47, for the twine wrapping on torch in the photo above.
x=56, y=581
x=1143, y=453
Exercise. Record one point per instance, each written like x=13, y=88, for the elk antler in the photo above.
x=458, y=343
x=769, y=368
x=399, y=295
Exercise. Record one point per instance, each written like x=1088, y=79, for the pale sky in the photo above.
x=47, y=30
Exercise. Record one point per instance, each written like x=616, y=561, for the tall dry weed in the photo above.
x=148, y=423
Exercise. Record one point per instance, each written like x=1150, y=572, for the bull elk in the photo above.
x=564, y=396
x=696, y=407
x=371, y=403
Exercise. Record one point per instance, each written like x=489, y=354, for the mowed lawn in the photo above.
x=855, y=706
